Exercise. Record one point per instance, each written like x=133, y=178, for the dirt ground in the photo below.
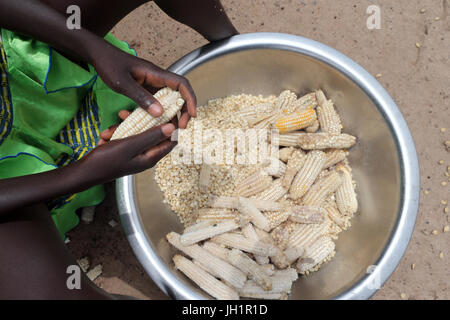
x=411, y=51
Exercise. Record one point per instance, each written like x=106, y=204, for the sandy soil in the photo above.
x=417, y=79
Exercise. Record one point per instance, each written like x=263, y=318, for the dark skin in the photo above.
x=34, y=259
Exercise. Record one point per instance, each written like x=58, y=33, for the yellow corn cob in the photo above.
x=306, y=234
x=338, y=218
x=249, y=266
x=207, y=232
x=204, y=280
x=249, y=232
x=247, y=208
x=314, y=163
x=345, y=194
x=242, y=243
x=285, y=153
x=307, y=214
x=140, y=120
x=307, y=101
x=314, y=127
x=274, y=193
x=285, y=101
x=334, y=156
x=256, y=183
x=214, y=265
x=295, y=163
x=296, y=120
x=324, y=187
x=322, y=140
x=277, y=217
x=205, y=177
x=320, y=251
x=328, y=118
x=274, y=167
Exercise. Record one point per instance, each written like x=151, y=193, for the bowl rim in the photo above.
x=402, y=231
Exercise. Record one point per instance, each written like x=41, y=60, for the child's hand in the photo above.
x=138, y=79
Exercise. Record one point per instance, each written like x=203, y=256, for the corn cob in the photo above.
x=249, y=232
x=307, y=214
x=328, y=118
x=291, y=273
x=332, y=228
x=312, y=141
x=337, y=217
x=320, y=97
x=204, y=280
x=295, y=163
x=274, y=193
x=307, y=101
x=293, y=253
x=305, y=235
x=267, y=121
x=242, y=243
x=345, y=194
x=334, y=156
x=199, y=225
x=233, y=203
x=279, y=259
x=205, y=177
x=216, y=249
x=277, y=217
x=322, y=189
x=282, y=234
x=207, y=232
x=140, y=120
x=288, y=139
x=314, y=163
x=269, y=269
x=320, y=251
x=249, y=266
x=256, y=217
x=279, y=284
x=296, y=121
x=214, y=265
x=249, y=113
x=314, y=127
x=266, y=296
x=274, y=167
x=214, y=215
x=285, y=153
x=254, y=184
x=285, y=101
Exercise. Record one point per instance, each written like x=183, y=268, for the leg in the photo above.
x=34, y=259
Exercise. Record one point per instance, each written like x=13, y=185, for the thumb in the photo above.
x=142, y=97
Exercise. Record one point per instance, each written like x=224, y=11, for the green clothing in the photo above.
x=51, y=113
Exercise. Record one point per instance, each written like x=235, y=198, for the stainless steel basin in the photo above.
x=385, y=162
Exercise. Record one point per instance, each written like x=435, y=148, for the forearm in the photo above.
x=207, y=17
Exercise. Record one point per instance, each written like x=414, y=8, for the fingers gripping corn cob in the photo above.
x=314, y=163
x=320, y=251
x=324, y=187
x=208, y=232
x=345, y=193
x=204, y=280
x=296, y=121
x=140, y=120
x=322, y=140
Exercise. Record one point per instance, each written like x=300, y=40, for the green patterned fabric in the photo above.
x=51, y=113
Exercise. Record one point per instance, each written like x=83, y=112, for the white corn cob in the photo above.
x=243, y=262
x=324, y=187
x=274, y=167
x=334, y=156
x=314, y=163
x=291, y=273
x=269, y=269
x=216, y=249
x=320, y=97
x=254, y=184
x=199, y=225
x=214, y=265
x=337, y=217
x=332, y=228
x=307, y=214
x=345, y=194
x=140, y=120
x=274, y=193
x=262, y=118
x=242, y=243
x=277, y=257
x=266, y=296
x=306, y=234
x=277, y=217
x=288, y=140
x=320, y=251
x=205, y=177
x=293, y=253
x=233, y=203
x=328, y=118
x=249, y=113
x=256, y=217
x=295, y=163
x=314, y=127
x=281, y=234
x=296, y=121
x=323, y=140
x=214, y=215
x=285, y=101
x=204, y=280
x=279, y=284
x=249, y=232
x=307, y=101
x=285, y=153
x=208, y=232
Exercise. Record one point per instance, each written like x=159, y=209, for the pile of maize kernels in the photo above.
x=251, y=229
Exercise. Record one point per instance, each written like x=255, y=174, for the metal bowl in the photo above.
x=384, y=161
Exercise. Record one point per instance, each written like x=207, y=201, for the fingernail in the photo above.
x=155, y=110
x=167, y=129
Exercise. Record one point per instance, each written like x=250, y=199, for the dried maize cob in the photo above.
x=320, y=97
x=307, y=101
x=285, y=101
x=140, y=120
x=295, y=163
x=293, y=253
x=214, y=265
x=279, y=284
x=337, y=217
x=199, y=225
x=322, y=140
x=256, y=217
x=328, y=118
x=279, y=259
x=266, y=296
x=204, y=280
x=285, y=153
x=274, y=167
x=307, y=214
x=254, y=184
x=249, y=232
x=345, y=194
x=281, y=234
x=267, y=121
x=319, y=192
x=291, y=273
x=314, y=163
x=208, y=232
x=274, y=193
x=264, y=236
x=216, y=249
x=334, y=156
x=288, y=140
x=269, y=269
x=242, y=243
x=306, y=234
x=320, y=251
x=249, y=113
x=233, y=203
x=277, y=217
x=296, y=121
x=205, y=177
x=249, y=266
x=314, y=127
x=213, y=215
